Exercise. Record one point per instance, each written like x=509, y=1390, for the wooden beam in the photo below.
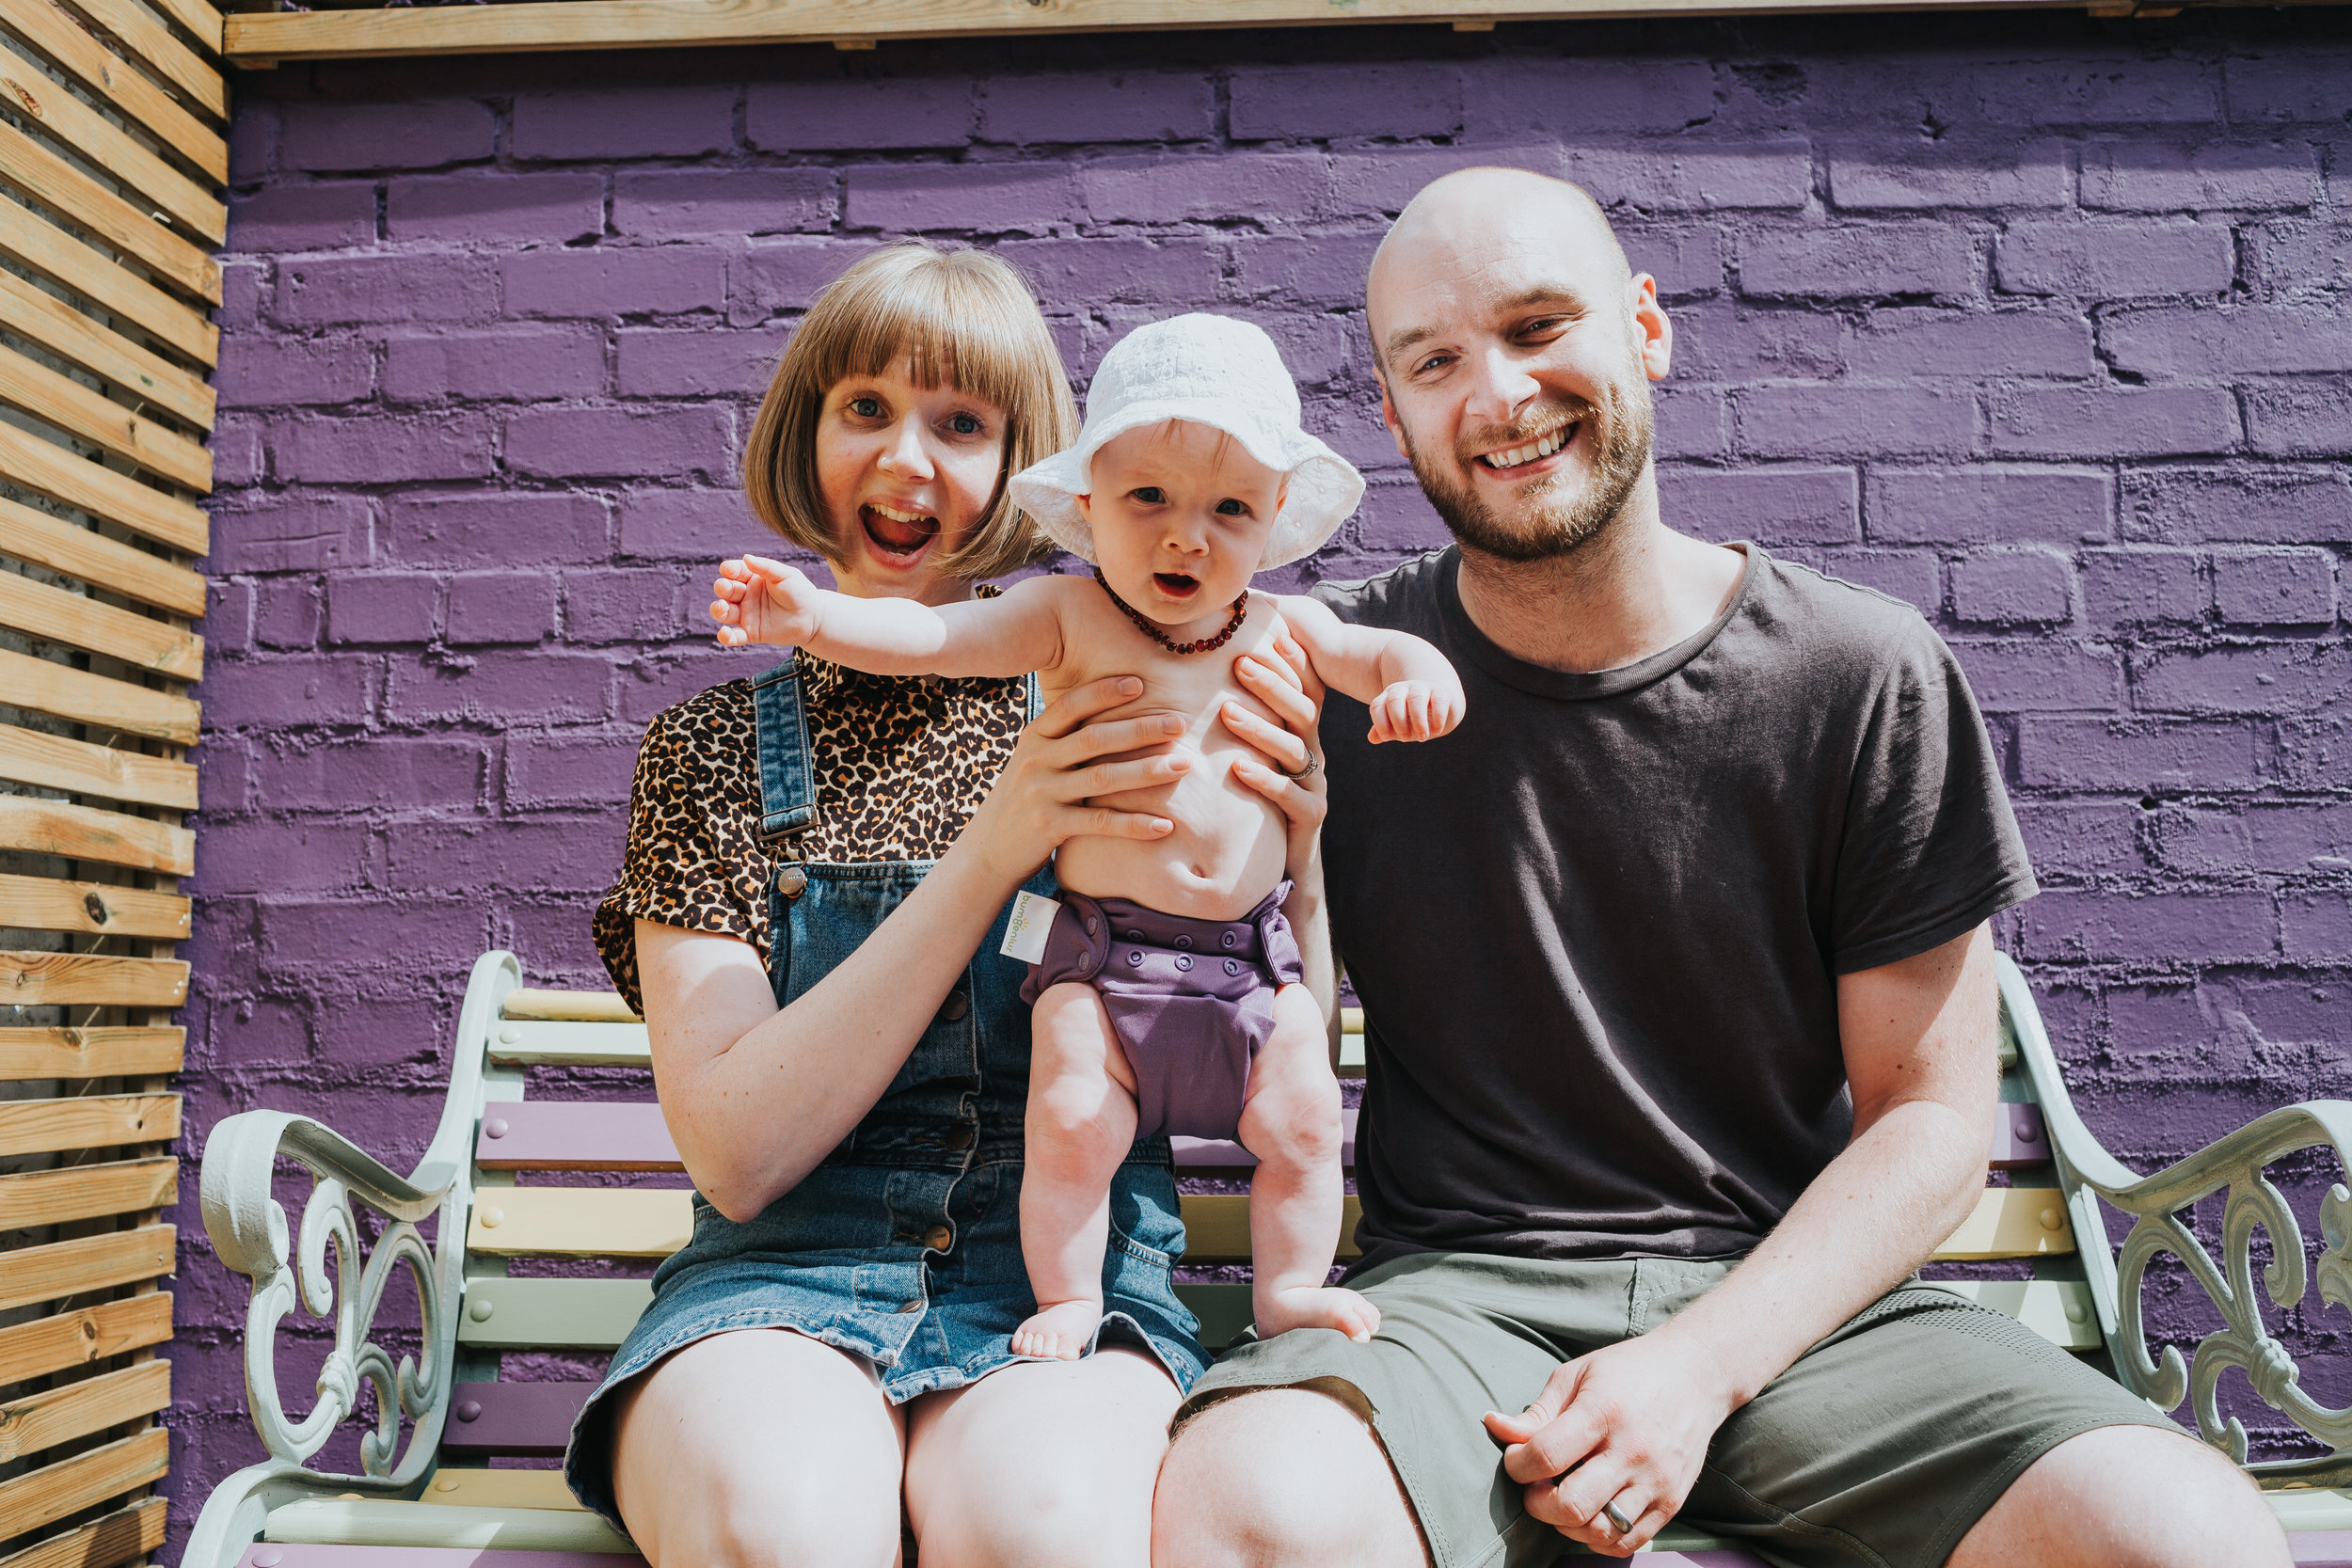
x=152, y=44
x=90, y=414
x=87, y=699
x=55, y=1415
x=128, y=1532
x=52, y=30
x=61, y=113
x=85, y=1192
x=93, y=1052
x=34, y=313
x=86, y=1121
x=86, y=833
x=52, y=1344
x=555, y=25
x=57, y=615
x=53, y=762
x=68, y=477
x=201, y=21
x=93, y=909
x=105, y=217
x=100, y=1262
x=75, y=979
x=35, y=241
x=110, y=563
x=73, y=1485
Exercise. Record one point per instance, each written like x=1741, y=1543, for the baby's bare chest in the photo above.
x=1193, y=685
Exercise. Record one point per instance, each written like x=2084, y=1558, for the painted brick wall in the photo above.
x=2034, y=321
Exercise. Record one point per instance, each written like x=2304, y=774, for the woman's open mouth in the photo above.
x=1177, y=585
x=1533, y=451
x=896, y=532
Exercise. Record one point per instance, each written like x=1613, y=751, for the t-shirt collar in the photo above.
x=1578, y=686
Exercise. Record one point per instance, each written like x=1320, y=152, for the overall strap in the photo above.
x=788, y=776
x=1037, y=698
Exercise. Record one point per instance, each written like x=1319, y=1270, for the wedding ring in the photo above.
x=1616, y=1517
x=1306, y=772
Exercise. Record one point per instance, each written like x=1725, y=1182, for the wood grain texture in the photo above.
x=34, y=313
x=92, y=1052
x=201, y=21
x=107, y=218
x=52, y=1344
x=75, y=979
x=55, y=1415
x=50, y=468
x=57, y=1268
x=152, y=44
x=89, y=699
x=36, y=243
x=71, y=1486
x=85, y=412
x=52, y=30
x=63, y=114
x=86, y=1121
x=555, y=1314
x=86, y=833
x=87, y=1191
x=58, y=616
x=97, y=909
x=116, y=1538
x=579, y=1222
x=53, y=762
x=81, y=552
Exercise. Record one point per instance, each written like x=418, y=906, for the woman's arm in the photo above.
x=760, y=600
x=755, y=1095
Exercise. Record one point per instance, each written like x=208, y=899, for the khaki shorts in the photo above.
x=1879, y=1449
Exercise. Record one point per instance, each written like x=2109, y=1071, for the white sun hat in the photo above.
x=1212, y=371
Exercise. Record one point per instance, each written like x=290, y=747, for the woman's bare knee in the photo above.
x=2126, y=1496
x=1281, y=1475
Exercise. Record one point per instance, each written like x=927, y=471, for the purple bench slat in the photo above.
x=1226, y=1154
x=2018, y=1138
x=571, y=1135
x=513, y=1418
x=2322, y=1549
x=271, y=1555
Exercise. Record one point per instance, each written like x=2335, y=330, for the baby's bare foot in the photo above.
x=1060, y=1331
x=1317, y=1306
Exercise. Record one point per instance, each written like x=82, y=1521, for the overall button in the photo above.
x=791, y=880
x=957, y=1137
x=953, y=1009
x=939, y=1238
x=1183, y=962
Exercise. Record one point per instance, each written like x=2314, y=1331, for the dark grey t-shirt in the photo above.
x=1598, y=928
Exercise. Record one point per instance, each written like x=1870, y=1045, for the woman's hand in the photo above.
x=1292, y=777
x=1040, y=800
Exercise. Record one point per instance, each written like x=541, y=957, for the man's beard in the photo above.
x=1543, y=523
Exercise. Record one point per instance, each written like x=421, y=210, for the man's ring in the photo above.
x=1616, y=1517
x=1306, y=772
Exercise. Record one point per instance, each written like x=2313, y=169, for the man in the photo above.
x=1680, y=983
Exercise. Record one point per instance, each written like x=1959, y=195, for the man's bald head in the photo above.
x=1462, y=222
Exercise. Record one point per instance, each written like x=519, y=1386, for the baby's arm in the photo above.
x=1410, y=688
x=767, y=601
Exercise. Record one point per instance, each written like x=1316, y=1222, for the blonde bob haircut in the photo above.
x=959, y=317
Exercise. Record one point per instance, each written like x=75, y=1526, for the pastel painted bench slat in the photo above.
x=432, y=1504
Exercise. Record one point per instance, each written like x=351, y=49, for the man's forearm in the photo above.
x=1872, y=1216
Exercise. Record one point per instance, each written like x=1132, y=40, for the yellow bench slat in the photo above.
x=2010, y=1221
x=579, y=1222
x=453, y=1487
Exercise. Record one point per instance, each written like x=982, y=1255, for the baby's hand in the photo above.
x=764, y=601
x=1415, y=711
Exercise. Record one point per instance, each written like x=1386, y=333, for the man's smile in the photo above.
x=1531, y=451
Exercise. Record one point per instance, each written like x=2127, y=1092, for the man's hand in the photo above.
x=1627, y=1424
x=760, y=600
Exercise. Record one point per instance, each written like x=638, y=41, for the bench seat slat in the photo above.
x=527, y=1039
x=355, y=1521
x=513, y=1417
x=2322, y=1549
x=456, y=1486
x=303, y=1555
x=552, y=1314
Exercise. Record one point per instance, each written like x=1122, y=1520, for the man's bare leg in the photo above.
x=1080, y=1123
x=1291, y=1122
x=2126, y=1498
x=759, y=1448
x=1280, y=1477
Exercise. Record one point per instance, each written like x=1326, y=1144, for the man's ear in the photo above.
x=1652, y=332
x=1388, y=416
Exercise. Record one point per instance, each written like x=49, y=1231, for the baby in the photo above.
x=1165, y=991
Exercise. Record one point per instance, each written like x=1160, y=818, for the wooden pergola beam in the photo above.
x=257, y=38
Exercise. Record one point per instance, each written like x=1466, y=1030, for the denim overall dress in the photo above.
x=904, y=1245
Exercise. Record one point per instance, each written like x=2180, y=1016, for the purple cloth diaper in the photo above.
x=1192, y=1001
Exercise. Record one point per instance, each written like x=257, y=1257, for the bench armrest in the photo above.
x=2239, y=1163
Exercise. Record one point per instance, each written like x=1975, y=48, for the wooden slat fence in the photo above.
x=113, y=156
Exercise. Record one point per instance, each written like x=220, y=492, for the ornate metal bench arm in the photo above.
x=250, y=1234
x=2239, y=1164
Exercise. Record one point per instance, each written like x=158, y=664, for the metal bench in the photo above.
x=435, y=1503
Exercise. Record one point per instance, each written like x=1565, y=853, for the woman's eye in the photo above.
x=1148, y=494
x=1229, y=507
x=964, y=424
x=866, y=408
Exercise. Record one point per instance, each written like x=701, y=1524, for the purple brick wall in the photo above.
x=2043, y=334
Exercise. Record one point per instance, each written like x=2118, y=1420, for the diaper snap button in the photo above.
x=1183, y=962
x=1232, y=966
x=1184, y=941
x=1092, y=926
x=1134, y=957
x=1232, y=939
x=1134, y=936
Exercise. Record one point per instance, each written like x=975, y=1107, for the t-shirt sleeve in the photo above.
x=1931, y=847
x=693, y=860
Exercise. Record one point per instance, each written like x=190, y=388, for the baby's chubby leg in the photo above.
x=1292, y=1124
x=1080, y=1124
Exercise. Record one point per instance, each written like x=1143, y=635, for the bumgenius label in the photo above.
x=1031, y=923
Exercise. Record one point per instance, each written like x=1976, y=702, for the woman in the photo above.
x=811, y=907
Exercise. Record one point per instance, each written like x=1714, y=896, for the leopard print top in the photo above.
x=901, y=765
